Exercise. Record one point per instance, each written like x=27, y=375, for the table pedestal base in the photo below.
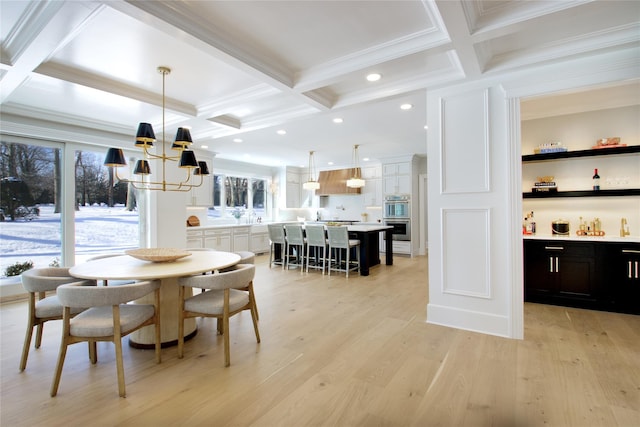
x=169, y=306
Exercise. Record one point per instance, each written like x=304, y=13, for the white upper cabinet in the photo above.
x=396, y=178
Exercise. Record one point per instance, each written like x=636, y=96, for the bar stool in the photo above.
x=276, y=237
x=339, y=242
x=295, y=240
x=316, y=239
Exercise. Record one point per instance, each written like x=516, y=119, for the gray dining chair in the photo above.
x=42, y=308
x=317, y=239
x=222, y=300
x=107, y=318
x=339, y=244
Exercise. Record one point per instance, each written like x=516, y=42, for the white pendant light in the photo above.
x=311, y=183
x=356, y=180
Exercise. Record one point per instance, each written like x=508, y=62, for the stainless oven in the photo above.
x=401, y=228
x=396, y=207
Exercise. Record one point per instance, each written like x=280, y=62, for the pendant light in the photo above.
x=145, y=137
x=356, y=180
x=311, y=183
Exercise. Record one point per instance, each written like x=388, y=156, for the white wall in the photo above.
x=475, y=242
x=469, y=281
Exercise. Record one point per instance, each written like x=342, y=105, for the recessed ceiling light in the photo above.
x=330, y=163
x=365, y=159
x=406, y=107
x=238, y=140
x=374, y=77
x=426, y=127
x=204, y=147
x=337, y=120
x=281, y=132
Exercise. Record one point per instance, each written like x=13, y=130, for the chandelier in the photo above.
x=356, y=180
x=311, y=183
x=145, y=137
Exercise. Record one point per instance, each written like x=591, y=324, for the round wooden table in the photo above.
x=126, y=267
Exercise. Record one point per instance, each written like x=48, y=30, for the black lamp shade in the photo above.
x=188, y=159
x=183, y=139
x=145, y=137
x=114, y=158
x=202, y=169
x=142, y=168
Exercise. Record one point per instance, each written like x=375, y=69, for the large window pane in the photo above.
x=30, y=205
x=106, y=217
x=239, y=196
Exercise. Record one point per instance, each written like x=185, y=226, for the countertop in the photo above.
x=574, y=238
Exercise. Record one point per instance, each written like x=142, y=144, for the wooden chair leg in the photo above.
x=93, y=352
x=39, y=334
x=225, y=321
x=27, y=344
x=254, y=313
x=58, y=373
x=120, y=366
x=63, y=352
x=117, y=340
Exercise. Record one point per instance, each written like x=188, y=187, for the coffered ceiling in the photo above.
x=242, y=70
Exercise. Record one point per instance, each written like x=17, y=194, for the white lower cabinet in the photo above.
x=194, y=239
x=229, y=239
x=218, y=239
x=240, y=238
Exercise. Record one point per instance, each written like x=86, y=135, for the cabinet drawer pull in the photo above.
x=554, y=248
x=630, y=251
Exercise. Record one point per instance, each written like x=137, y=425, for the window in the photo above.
x=106, y=213
x=40, y=186
x=30, y=205
x=239, y=196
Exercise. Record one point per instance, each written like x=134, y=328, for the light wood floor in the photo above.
x=341, y=352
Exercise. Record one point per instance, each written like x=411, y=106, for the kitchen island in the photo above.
x=369, y=236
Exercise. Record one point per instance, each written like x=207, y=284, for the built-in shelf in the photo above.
x=581, y=153
x=590, y=193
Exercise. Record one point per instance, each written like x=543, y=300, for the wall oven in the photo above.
x=401, y=228
x=396, y=207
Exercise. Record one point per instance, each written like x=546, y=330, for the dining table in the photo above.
x=126, y=267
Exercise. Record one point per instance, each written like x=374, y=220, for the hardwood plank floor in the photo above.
x=341, y=352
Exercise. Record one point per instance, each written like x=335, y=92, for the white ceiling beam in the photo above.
x=37, y=36
x=452, y=13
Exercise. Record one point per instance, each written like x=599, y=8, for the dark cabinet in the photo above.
x=594, y=275
x=621, y=277
x=560, y=272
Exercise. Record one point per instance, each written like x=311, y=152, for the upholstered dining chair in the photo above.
x=222, y=300
x=42, y=308
x=107, y=318
x=340, y=243
x=317, y=239
x=277, y=238
x=296, y=244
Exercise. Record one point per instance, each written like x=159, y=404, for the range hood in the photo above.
x=335, y=182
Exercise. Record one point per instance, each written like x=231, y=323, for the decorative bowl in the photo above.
x=157, y=254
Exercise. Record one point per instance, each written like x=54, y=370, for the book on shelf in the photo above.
x=545, y=184
x=544, y=190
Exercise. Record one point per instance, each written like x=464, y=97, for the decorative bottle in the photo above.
x=532, y=223
x=596, y=181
